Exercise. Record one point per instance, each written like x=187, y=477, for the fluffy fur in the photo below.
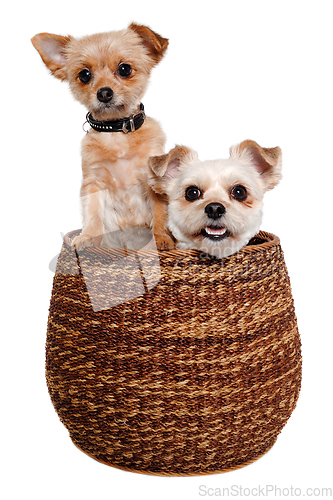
x=215, y=206
x=114, y=192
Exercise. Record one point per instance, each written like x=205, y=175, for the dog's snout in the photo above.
x=105, y=94
x=214, y=210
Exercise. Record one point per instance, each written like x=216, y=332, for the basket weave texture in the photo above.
x=198, y=374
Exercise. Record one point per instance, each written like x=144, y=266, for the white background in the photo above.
x=235, y=69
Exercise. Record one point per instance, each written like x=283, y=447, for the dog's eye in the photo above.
x=193, y=193
x=239, y=193
x=85, y=76
x=124, y=70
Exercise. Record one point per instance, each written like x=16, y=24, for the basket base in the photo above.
x=180, y=474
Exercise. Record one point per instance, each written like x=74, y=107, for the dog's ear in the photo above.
x=52, y=49
x=267, y=161
x=164, y=168
x=155, y=44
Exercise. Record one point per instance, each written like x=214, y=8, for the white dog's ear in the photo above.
x=267, y=161
x=164, y=168
x=52, y=49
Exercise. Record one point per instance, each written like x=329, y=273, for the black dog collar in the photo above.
x=125, y=125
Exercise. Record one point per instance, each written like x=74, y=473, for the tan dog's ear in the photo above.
x=267, y=161
x=51, y=48
x=156, y=44
x=166, y=167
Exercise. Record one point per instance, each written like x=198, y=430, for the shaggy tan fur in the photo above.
x=115, y=193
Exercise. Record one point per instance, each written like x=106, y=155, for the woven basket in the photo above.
x=196, y=372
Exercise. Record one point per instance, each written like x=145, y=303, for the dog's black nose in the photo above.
x=214, y=210
x=105, y=94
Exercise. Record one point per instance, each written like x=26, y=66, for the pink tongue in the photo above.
x=211, y=230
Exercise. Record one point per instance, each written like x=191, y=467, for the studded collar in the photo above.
x=124, y=125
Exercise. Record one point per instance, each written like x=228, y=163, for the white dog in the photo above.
x=215, y=206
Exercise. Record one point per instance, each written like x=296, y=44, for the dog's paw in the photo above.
x=164, y=242
x=85, y=240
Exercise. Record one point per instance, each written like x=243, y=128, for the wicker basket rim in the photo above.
x=270, y=241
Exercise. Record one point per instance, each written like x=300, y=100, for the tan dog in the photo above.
x=108, y=73
x=216, y=206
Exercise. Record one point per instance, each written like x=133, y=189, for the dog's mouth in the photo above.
x=108, y=111
x=215, y=233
